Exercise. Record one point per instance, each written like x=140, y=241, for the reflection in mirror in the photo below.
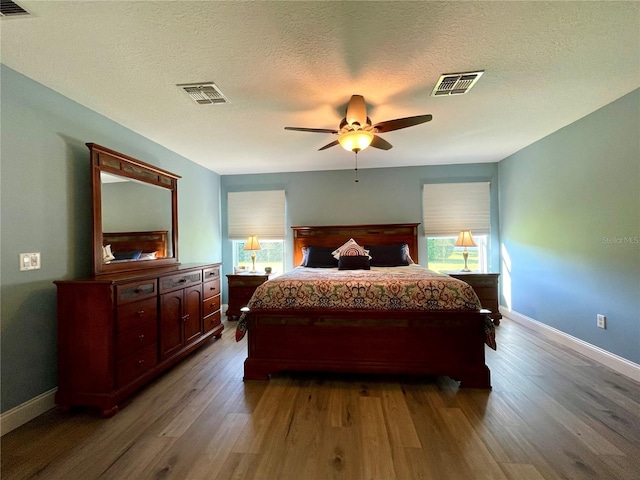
x=135, y=213
x=136, y=217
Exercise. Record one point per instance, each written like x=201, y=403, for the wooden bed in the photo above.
x=148, y=242
x=429, y=342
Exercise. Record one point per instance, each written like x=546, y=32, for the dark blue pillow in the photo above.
x=354, y=262
x=388, y=255
x=319, y=257
x=134, y=255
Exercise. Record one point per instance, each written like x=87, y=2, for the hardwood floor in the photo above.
x=552, y=414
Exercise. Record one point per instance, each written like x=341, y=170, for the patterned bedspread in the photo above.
x=381, y=288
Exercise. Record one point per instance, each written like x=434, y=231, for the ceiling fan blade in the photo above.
x=381, y=143
x=399, y=123
x=329, y=145
x=315, y=130
x=356, y=111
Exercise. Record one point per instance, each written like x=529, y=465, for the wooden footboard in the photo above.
x=415, y=343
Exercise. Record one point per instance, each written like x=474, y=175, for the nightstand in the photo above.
x=241, y=287
x=486, y=287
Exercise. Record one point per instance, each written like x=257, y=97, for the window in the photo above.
x=261, y=214
x=271, y=255
x=443, y=256
x=449, y=208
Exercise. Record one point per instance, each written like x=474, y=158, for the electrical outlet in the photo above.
x=29, y=261
x=601, y=321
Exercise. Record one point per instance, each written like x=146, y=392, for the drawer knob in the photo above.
x=138, y=290
x=141, y=337
x=140, y=313
x=185, y=318
x=182, y=280
x=140, y=362
x=212, y=304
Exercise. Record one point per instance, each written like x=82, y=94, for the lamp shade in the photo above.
x=355, y=140
x=465, y=239
x=252, y=243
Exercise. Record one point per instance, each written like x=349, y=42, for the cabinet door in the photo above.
x=171, y=323
x=192, y=314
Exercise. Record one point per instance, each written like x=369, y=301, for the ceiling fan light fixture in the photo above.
x=355, y=140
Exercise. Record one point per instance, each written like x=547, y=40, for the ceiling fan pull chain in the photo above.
x=357, y=168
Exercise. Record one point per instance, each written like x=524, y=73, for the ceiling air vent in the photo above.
x=11, y=9
x=204, y=93
x=456, y=83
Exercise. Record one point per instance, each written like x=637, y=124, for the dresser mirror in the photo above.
x=135, y=213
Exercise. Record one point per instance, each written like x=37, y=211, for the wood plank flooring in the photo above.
x=552, y=414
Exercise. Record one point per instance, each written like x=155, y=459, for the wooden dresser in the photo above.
x=117, y=332
x=486, y=287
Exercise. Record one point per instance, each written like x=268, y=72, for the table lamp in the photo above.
x=465, y=239
x=252, y=245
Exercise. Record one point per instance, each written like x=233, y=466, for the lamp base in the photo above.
x=465, y=255
x=253, y=261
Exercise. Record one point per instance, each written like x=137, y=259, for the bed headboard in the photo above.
x=335, y=236
x=156, y=241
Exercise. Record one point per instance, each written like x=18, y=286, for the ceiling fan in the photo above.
x=356, y=131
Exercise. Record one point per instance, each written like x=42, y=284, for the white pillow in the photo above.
x=349, y=248
x=107, y=256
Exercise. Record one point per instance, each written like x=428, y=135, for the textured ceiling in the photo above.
x=280, y=64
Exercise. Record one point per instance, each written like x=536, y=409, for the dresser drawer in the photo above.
x=211, y=305
x=242, y=295
x=486, y=293
x=252, y=281
x=212, y=321
x=209, y=273
x=137, y=364
x=133, y=314
x=136, y=338
x=134, y=291
x=482, y=281
x=211, y=288
x=174, y=282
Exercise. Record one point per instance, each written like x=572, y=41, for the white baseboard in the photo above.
x=611, y=360
x=17, y=416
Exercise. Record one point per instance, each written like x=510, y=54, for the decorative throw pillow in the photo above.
x=349, y=248
x=318, y=257
x=354, y=262
x=389, y=255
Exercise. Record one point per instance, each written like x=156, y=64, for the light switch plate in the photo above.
x=30, y=261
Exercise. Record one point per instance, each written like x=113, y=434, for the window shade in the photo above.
x=448, y=208
x=256, y=213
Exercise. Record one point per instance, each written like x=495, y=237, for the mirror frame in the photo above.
x=110, y=161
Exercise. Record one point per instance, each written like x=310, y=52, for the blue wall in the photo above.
x=46, y=207
x=570, y=228
x=383, y=195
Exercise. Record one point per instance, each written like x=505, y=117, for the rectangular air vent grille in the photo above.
x=204, y=93
x=456, y=83
x=11, y=9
